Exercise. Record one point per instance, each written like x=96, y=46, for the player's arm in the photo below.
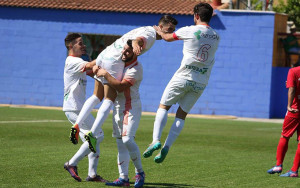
x=90, y=65
x=137, y=45
x=88, y=68
x=291, y=96
x=169, y=37
x=120, y=86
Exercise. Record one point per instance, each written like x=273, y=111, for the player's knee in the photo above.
x=127, y=140
x=180, y=113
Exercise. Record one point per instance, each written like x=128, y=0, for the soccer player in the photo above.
x=109, y=59
x=189, y=81
x=290, y=125
x=74, y=96
x=126, y=117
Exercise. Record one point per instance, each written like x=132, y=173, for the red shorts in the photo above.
x=290, y=125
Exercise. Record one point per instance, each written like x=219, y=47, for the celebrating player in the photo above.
x=109, y=59
x=74, y=96
x=290, y=125
x=190, y=80
x=126, y=117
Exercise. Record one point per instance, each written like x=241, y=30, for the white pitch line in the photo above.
x=36, y=121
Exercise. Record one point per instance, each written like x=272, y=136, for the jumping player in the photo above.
x=190, y=80
x=290, y=125
x=109, y=59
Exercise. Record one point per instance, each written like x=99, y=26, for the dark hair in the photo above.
x=166, y=19
x=129, y=43
x=70, y=38
x=204, y=10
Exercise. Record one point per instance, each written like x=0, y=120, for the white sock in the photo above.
x=134, y=152
x=159, y=123
x=87, y=108
x=94, y=158
x=123, y=159
x=174, y=131
x=102, y=114
x=80, y=154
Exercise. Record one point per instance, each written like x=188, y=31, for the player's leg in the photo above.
x=86, y=110
x=130, y=125
x=159, y=124
x=294, y=170
x=93, y=162
x=171, y=95
x=288, y=128
x=123, y=154
x=110, y=95
x=174, y=132
x=84, y=148
x=186, y=102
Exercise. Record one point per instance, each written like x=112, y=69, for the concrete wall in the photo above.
x=33, y=55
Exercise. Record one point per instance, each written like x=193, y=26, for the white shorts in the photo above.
x=112, y=66
x=181, y=91
x=86, y=125
x=128, y=123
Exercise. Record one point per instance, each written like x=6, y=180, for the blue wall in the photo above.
x=33, y=55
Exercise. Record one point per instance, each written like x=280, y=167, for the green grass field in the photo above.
x=208, y=153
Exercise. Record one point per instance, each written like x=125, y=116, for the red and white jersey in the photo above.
x=293, y=80
x=147, y=33
x=74, y=83
x=130, y=98
x=200, y=43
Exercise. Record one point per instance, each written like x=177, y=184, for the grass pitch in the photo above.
x=34, y=145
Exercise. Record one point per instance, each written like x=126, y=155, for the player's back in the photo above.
x=147, y=33
x=201, y=43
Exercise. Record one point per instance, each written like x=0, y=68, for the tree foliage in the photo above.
x=291, y=8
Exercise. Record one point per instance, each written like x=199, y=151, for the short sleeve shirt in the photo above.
x=74, y=84
x=147, y=33
x=200, y=43
x=293, y=80
x=133, y=73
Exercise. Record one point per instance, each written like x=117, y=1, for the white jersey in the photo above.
x=147, y=33
x=130, y=98
x=128, y=109
x=199, y=48
x=110, y=58
x=74, y=84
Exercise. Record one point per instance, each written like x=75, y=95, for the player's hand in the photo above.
x=95, y=69
x=137, y=49
x=157, y=29
x=292, y=110
x=101, y=73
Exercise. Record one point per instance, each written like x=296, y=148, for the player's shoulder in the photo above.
x=295, y=70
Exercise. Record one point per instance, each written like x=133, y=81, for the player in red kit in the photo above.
x=290, y=125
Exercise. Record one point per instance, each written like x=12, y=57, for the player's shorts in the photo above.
x=181, y=91
x=290, y=126
x=113, y=66
x=85, y=126
x=126, y=123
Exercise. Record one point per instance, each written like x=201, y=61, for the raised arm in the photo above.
x=166, y=36
x=116, y=84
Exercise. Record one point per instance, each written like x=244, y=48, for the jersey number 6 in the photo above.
x=202, y=54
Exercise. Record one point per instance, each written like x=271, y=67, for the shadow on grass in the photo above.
x=168, y=185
